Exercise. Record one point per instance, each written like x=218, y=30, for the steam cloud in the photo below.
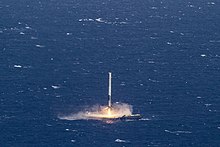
x=98, y=112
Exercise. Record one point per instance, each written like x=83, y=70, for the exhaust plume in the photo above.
x=98, y=112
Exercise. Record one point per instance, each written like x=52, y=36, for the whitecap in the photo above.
x=99, y=20
x=40, y=46
x=27, y=27
x=85, y=19
x=207, y=105
x=68, y=34
x=55, y=87
x=211, y=3
x=122, y=84
x=191, y=6
x=17, y=66
x=154, y=8
x=203, y=55
x=178, y=132
x=90, y=19
x=121, y=141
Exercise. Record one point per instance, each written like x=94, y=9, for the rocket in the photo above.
x=109, y=108
x=109, y=89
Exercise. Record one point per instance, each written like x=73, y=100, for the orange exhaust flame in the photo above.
x=109, y=111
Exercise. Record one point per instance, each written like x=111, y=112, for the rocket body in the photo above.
x=109, y=89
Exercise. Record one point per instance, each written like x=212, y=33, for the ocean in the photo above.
x=164, y=56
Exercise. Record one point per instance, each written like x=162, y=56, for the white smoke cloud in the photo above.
x=98, y=112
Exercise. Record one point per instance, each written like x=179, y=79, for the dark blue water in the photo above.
x=55, y=56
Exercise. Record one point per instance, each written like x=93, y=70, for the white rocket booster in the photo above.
x=109, y=89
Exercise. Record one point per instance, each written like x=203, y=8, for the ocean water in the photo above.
x=55, y=56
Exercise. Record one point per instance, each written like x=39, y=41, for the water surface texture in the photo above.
x=55, y=56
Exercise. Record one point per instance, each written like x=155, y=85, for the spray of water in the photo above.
x=98, y=112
